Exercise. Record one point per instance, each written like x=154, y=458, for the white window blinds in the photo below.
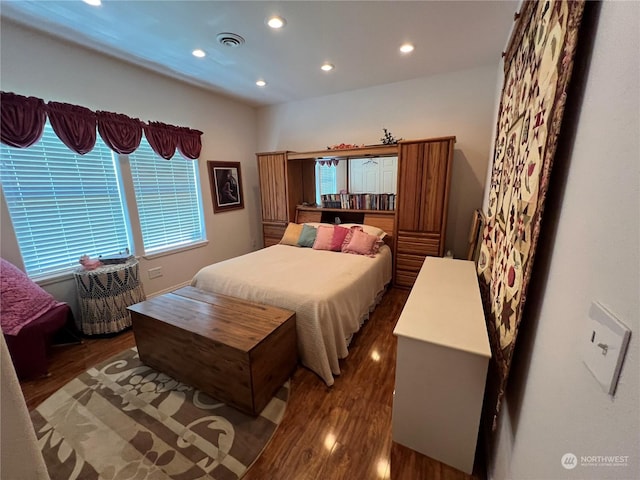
x=62, y=205
x=168, y=199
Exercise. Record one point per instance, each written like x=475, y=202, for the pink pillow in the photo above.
x=347, y=238
x=339, y=234
x=362, y=243
x=324, y=237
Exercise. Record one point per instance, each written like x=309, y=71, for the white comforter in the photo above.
x=331, y=292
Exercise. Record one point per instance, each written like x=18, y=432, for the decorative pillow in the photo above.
x=324, y=237
x=370, y=229
x=307, y=236
x=339, y=234
x=349, y=235
x=291, y=234
x=362, y=243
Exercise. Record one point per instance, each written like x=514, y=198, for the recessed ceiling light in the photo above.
x=407, y=48
x=261, y=83
x=327, y=67
x=276, y=22
x=198, y=53
x=93, y=3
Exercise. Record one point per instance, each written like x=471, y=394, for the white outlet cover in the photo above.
x=605, y=344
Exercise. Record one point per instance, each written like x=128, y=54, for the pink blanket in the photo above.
x=22, y=300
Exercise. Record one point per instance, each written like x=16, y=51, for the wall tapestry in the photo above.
x=538, y=65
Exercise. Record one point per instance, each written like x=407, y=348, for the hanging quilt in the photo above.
x=538, y=65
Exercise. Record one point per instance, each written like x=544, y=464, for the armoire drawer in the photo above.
x=405, y=279
x=409, y=262
x=268, y=241
x=407, y=268
x=419, y=244
x=272, y=233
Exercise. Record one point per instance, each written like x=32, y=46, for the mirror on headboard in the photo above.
x=356, y=175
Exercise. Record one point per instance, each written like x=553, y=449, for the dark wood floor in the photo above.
x=338, y=432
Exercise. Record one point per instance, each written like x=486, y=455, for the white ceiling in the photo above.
x=361, y=38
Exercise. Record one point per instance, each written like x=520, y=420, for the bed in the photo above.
x=331, y=292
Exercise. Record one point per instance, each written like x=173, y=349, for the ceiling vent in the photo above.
x=229, y=39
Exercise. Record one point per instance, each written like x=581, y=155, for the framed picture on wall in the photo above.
x=226, y=186
x=475, y=235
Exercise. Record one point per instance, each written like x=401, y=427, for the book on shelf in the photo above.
x=359, y=201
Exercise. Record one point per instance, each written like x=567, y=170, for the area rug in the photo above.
x=124, y=420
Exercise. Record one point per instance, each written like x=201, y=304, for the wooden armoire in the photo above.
x=424, y=176
x=287, y=180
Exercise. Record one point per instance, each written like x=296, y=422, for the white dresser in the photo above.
x=441, y=369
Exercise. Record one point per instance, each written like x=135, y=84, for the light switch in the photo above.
x=605, y=345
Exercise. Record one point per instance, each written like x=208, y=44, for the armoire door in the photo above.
x=273, y=186
x=272, y=171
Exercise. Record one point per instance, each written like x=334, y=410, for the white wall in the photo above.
x=20, y=457
x=553, y=405
x=459, y=104
x=34, y=64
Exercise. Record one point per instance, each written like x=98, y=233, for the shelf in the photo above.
x=321, y=209
x=372, y=151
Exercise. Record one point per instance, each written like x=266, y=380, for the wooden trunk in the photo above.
x=237, y=351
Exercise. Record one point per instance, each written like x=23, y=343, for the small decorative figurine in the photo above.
x=88, y=263
x=388, y=138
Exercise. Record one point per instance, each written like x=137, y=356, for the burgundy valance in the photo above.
x=74, y=125
x=163, y=138
x=23, y=121
x=122, y=134
x=189, y=143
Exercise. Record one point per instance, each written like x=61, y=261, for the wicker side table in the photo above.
x=104, y=295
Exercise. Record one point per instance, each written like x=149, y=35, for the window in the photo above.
x=168, y=199
x=326, y=181
x=63, y=205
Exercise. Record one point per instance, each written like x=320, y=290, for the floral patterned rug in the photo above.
x=124, y=420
